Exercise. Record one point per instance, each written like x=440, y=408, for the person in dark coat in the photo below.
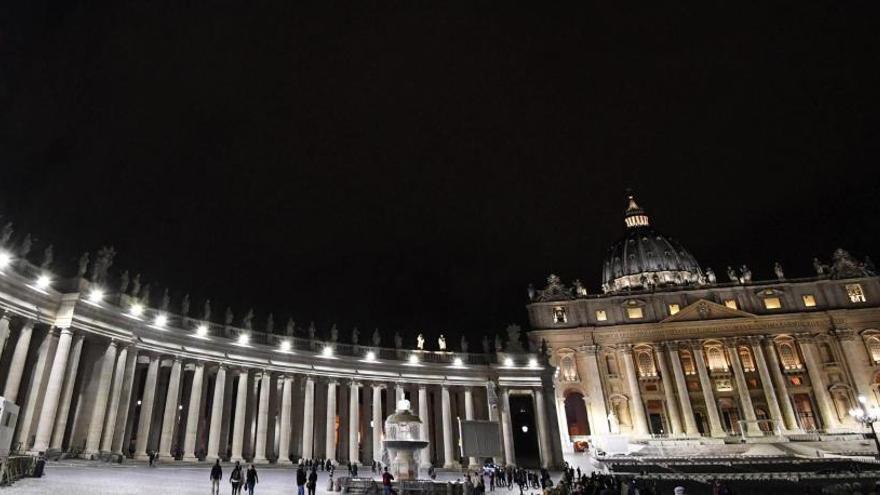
x=313, y=481
x=235, y=479
x=300, y=481
x=216, y=475
x=251, y=479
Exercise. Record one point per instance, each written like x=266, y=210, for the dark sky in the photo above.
x=411, y=166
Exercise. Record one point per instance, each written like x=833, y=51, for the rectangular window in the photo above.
x=809, y=301
x=854, y=291
x=559, y=315
x=634, y=313
x=673, y=308
x=730, y=303
x=772, y=303
x=601, y=315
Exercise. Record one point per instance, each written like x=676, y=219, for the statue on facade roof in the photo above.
x=869, y=266
x=555, y=290
x=731, y=274
x=270, y=323
x=821, y=268
x=48, y=257
x=123, y=279
x=334, y=333
x=355, y=335
x=398, y=340
x=420, y=342
x=136, y=285
x=290, y=328
x=145, y=294
x=441, y=342
x=248, y=321
x=229, y=316
x=464, y=344
x=102, y=264
x=166, y=300
x=498, y=345
x=311, y=330
x=777, y=269
x=377, y=338
x=25, y=248
x=746, y=274
x=83, y=266
x=513, y=338
x=6, y=233
x=579, y=288
x=485, y=343
x=184, y=306
x=206, y=310
x=531, y=291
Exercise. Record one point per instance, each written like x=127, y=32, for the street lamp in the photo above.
x=867, y=418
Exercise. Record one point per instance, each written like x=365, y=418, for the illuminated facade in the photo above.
x=670, y=351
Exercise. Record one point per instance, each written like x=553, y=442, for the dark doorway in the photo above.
x=576, y=414
x=525, y=431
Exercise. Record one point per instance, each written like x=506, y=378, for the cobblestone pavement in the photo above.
x=93, y=478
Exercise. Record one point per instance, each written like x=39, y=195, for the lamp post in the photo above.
x=867, y=417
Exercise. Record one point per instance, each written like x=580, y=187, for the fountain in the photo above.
x=403, y=437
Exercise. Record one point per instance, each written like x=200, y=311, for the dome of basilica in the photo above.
x=645, y=258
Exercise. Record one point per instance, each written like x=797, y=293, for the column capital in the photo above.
x=28, y=324
x=844, y=334
x=756, y=340
x=377, y=385
x=805, y=338
x=353, y=383
x=625, y=348
x=588, y=349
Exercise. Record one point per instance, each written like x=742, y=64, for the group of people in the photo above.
x=574, y=482
x=322, y=464
x=248, y=480
x=506, y=476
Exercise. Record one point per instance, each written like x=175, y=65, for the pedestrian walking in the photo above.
x=300, y=480
x=387, y=478
x=313, y=481
x=251, y=479
x=235, y=479
x=216, y=475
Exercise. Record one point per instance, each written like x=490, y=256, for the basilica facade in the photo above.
x=668, y=350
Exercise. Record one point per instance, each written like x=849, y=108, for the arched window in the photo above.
x=788, y=356
x=646, y=363
x=745, y=355
x=569, y=371
x=687, y=363
x=874, y=348
x=716, y=358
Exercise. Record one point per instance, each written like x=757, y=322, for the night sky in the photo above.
x=414, y=166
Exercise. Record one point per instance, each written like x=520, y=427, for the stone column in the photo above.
x=820, y=390
x=330, y=451
x=398, y=394
x=146, y=413
x=859, y=363
x=637, y=407
x=217, y=414
x=507, y=428
x=286, y=407
x=193, y=413
x=668, y=393
x=67, y=394
x=448, y=452
x=19, y=357
x=562, y=421
x=169, y=421
x=377, y=422
x=715, y=428
x=425, y=453
x=53, y=392
x=742, y=388
x=115, y=395
x=240, y=413
x=469, y=415
x=684, y=397
x=781, y=385
x=354, y=421
x=263, y=419
x=767, y=384
x=119, y=438
x=588, y=369
x=93, y=441
x=309, y=419
x=4, y=330
x=543, y=430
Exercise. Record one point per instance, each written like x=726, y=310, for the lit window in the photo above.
x=772, y=303
x=730, y=303
x=687, y=364
x=796, y=381
x=788, y=356
x=559, y=315
x=674, y=308
x=634, y=313
x=809, y=300
x=854, y=291
x=746, y=358
x=716, y=358
x=601, y=315
x=646, y=364
x=874, y=348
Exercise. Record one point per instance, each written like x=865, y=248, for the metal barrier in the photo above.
x=14, y=468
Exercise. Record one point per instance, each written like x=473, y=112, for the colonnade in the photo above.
x=132, y=400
